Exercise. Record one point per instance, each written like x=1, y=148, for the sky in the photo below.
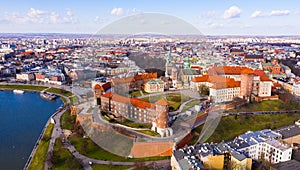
x=213, y=17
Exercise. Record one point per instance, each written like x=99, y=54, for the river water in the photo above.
x=22, y=118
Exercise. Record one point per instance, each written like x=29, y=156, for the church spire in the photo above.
x=168, y=61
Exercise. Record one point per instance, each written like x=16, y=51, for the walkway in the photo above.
x=182, y=106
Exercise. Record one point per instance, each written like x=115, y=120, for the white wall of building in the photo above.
x=265, y=88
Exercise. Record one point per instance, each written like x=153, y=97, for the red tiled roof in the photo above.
x=140, y=103
x=134, y=101
x=228, y=83
x=218, y=81
x=97, y=86
x=135, y=78
x=232, y=70
x=204, y=78
x=262, y=75
x=247, y=71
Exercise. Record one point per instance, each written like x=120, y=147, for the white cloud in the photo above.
x=232, y=12
x=97, y=18
x=69, y=12
x=37, y=16
x=279, y=12
x=117, y=11
x=36, y=12
x=256, y=14
x=55, y=18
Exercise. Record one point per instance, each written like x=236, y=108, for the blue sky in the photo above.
x=214, y=17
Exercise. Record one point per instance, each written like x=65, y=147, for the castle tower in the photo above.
x=160, y=123
x=247, y=76
x=97, y=94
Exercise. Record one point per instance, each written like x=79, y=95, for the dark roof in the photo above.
x=237, y=155
x=238, y=144
x=236, y=50
x=291, y=164
x=190, y=72
x=289, y=131
x=254, y=56
x=178, y=154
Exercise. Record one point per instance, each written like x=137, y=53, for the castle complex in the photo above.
x=135, y=109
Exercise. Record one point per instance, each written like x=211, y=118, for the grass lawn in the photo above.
x=73, y=100
x=110, y=167
x=39, y=157
x=90, y=110
x=271, y=105
x=133, y=124
x=63, y=99
x=175, y=99
x=232, y=126
x=23, y=87
x=149, y=132
x=135, y=93
x=92, y=150
x=67, y=121
x=59, y=91
x=190, y=104
x=62, y=157
x=144, y=92
x=124, y=121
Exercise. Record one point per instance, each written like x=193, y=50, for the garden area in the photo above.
x=62, y=158
x=232, y=126
x=39, y=158
x=123, y=121
x=174, y=99
x=269, y=105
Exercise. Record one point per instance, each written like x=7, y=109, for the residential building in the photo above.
x=264, y=144
x=154, y=86
x=25, y=76
x=209, y=156
x=254, y=58
x=290, y=134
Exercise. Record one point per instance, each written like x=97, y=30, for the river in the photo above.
x=22, y=118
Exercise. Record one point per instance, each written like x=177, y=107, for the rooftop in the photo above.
x=278, y=145
x=291, y=164
x=228, y=70
x=289, y=131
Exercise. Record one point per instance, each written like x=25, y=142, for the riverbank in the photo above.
x=23, y=118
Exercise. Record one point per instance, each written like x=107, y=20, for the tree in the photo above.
x=83, y=146
x=72, y=163
x=203, y=90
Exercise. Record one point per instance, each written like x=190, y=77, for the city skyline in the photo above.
x=229, y=17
